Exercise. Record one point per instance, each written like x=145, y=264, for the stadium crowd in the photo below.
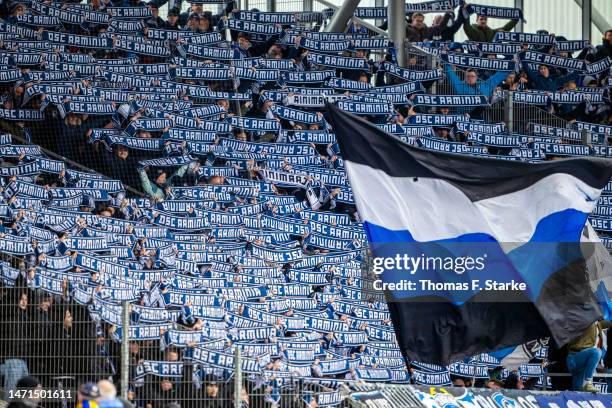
x=219, y=207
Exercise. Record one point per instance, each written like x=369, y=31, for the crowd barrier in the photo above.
x=377, y=395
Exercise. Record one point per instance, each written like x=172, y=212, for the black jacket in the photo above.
x=603, y=50
x=124, y=170
x=260, y=49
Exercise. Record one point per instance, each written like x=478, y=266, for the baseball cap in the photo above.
x=89, y=390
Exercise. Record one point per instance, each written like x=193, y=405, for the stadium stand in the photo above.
x=185, y=166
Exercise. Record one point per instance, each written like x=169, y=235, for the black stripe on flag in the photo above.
x=365, y=143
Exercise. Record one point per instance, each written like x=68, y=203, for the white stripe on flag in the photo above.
x=397, y=203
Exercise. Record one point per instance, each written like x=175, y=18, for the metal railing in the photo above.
x=50, y=336
x=517, y=116
x=98, y=167
x=63, y=343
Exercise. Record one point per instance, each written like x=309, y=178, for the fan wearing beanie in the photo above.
x=26, y=383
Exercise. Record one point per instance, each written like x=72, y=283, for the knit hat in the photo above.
x=28, y=382
x=588, y=79
x=87, y=201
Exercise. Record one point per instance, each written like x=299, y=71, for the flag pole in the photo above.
x=476, y=362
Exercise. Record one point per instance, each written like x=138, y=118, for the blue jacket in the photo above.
x=110, y=403
x=485, y=88
x=549, y=84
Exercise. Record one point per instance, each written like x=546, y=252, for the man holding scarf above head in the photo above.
x=481, y=31
x=16, y=9
x=417, y=30
x=196, y=10
x=447, y=32
x=471, y=85
x=155, y=21
x=544, y=81
x=248, y=50
x=162, y=182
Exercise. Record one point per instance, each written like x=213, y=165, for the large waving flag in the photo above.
x=528, y=217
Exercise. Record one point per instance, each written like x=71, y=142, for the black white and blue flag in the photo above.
x=408, y=197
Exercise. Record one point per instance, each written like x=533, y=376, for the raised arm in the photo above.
x=572, y=76
x=179, y=173
x=495, y=79
x=452, y=30
x=146, y=183
x=508, y=26
x=260, y=49
x=470, y=31
x=454, y=79
x=440, y=28
x=531, y=74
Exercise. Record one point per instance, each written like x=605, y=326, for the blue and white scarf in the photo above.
x=509, y=13
x=334, y=61
x=451, y=147
x=552, y=60
x=468, y=61
x=570, y=46
x=130, y=13
x=600, y=66
x=207, y=52
x=524, y=38
x=153, y=49
x=22, y=115
x=450, y=100
x=306, y=77
x=35, y=20
x=432, y=6
x=78, y=40
x=251, y=124
x=222, y=360
x=271, y=18
x=333, y=47
x=408, y=75
x=296, y=115
x=347, y=84
x=376, y=107
x=251, y=27
x=437, y=120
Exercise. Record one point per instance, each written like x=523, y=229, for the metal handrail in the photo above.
x=72, y=163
